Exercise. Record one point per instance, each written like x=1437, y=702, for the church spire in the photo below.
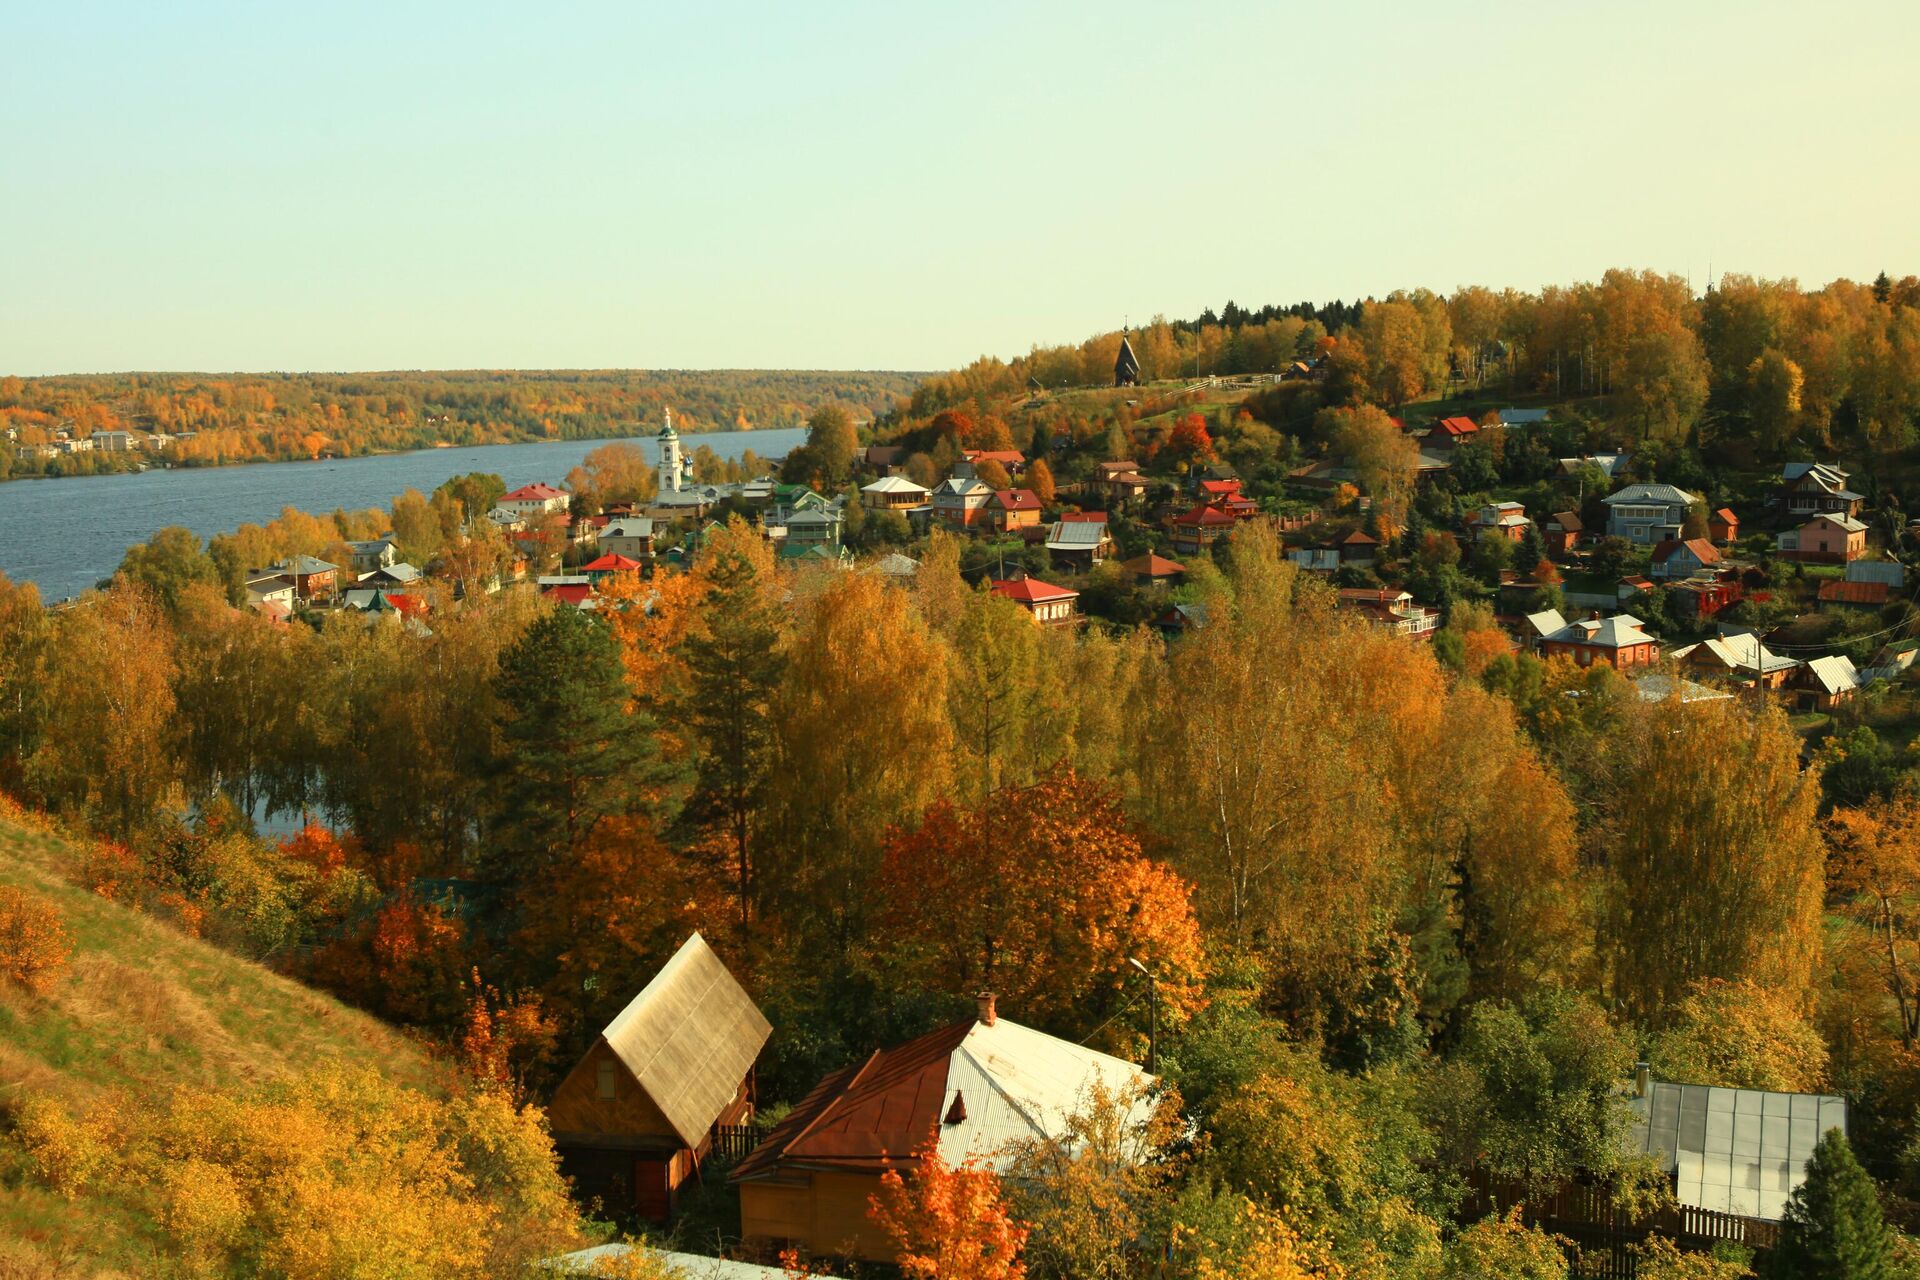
x=1126, y=366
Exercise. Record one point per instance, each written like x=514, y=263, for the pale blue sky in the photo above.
x=197, y=185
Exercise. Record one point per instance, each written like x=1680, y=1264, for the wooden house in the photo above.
x=1014, y=509
x=976, y=1089
x=1825, y=539
x=1723, y=526
x=1050, y=606
x=1562, y=530
x=1683, y=557
x=1617, y=641
x=637, y=1115
x=1194, y=531
x=1811, y=488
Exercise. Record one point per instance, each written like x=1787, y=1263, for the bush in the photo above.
x=34, y=946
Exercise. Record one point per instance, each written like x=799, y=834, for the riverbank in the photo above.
x=67, y=537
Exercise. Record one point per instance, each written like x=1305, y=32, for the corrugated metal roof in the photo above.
x=689, y=1038
x=680, y=1266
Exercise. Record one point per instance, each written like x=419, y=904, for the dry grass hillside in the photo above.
x=142, y=1008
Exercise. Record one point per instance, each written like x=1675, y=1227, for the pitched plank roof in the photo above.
x=689, y=1038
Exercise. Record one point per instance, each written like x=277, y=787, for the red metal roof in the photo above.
x=1031, y=590
x=1203, y=515
x=1018, y=499
x=534, y=493
x=1153, y=566
x=1083, y=517
x=1866, y=593
x=1459, y=426
x=865, y=1117
x=572, y=593
x=1219, y=486
x=612, y=562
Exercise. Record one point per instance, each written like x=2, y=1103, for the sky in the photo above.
x=262, y=186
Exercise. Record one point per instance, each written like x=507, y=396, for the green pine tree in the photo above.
x=572, y=754
x=735, y=664
x=1832, y=1228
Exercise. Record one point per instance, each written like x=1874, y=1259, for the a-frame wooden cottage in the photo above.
x=636, y=1116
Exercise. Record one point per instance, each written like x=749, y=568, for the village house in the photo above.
x=1825, y=683
x=376, y=553
x=1451, y=433
x=638, y=1114
x=112, y=441
x=609, y=564
x=1853, y=595
x=1506, y=520
x=1610, y=464
x=1196, y=530
x=535, y=500
x=575, y=589
x=1050, y=606
x=398, y=574
x=1392, y=609
x=1699, y=598
x=1739, y=658
x=630, y=536
x=894, y=493
x=961, y=499
x=313, y=579
x=1682, y=558
x=1079, y=544
x=1121, y=481
x=1150, y=568
x=1617, y=641
x=1648, y=513
x=1523, y=417
x=1723, y=527
x=1809, y=488
x=977, y=1089
x=1357, y=546
x=1827, y=538
x=1014, y=509
x=506, y=521
x=264, y=586
x=1561, y=532
x=814, y=527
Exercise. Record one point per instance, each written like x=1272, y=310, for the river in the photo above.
x=66, y=535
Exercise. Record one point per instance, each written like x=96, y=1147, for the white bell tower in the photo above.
x=672, y=464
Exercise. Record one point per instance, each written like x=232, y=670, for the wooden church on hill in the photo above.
x=1126, y=366
x=636, y=1117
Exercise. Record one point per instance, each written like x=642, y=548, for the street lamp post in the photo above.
x=1153, y=1016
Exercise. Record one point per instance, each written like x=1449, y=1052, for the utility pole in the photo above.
x=1153, y=1016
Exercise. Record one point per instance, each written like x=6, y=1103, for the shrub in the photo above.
x=34, y=946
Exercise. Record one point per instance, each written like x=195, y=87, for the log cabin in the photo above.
x=635, y=1118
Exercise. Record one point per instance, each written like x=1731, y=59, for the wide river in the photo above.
x=66, y=535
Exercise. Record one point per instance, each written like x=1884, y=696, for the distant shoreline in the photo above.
x=639, y=431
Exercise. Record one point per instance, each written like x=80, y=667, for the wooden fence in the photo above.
x=1602, y=1239
x=731, y=1142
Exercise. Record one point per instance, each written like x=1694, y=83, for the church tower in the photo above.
x=1126, y=367
x=672, y=464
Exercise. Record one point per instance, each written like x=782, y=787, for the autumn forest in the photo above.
x=1399, y=921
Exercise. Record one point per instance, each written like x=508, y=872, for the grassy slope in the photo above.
x=143, y=1008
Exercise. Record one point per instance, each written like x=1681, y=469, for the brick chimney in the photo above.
x=985, y=999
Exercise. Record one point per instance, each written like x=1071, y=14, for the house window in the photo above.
x=607, y=1086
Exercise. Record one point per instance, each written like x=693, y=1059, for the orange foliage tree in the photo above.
x=974, y=899
x=34, y=946
x=949, y=1222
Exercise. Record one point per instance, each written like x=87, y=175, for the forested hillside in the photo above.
x=231, y=418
